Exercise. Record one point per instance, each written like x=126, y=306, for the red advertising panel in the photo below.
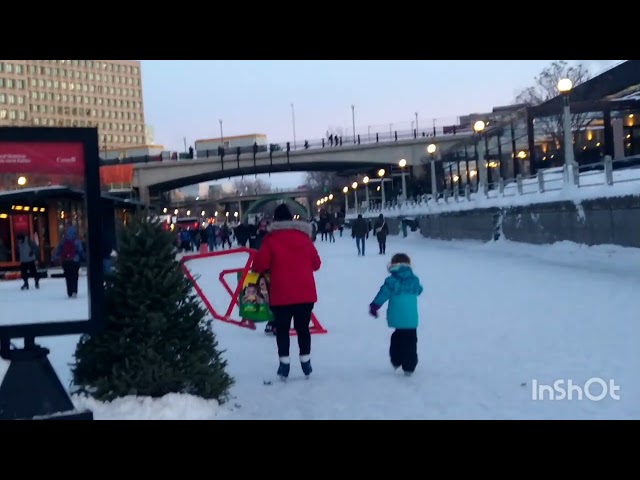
x=20, y=224
x=42, y=157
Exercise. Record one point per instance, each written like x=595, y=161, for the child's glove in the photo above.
x=373, y=310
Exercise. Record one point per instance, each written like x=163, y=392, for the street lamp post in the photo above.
x=293, y=120
x=221, y=135
x=354, y=185
x=353, y=121
x=402, y=164
x=345, y=190
x=431, y=150
x=564, y=87
x=417, y=129
x=381, y=174
x=478, y=127
x=365, y=180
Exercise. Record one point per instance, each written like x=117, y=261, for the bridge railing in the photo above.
x=237, y=195
x=337, y=141
x=600, y=179
x=331, y=141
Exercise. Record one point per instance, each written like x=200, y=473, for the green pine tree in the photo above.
x=157, y=339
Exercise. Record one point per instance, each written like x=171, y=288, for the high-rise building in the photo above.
x=85, y=93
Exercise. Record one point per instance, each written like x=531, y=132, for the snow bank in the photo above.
x=170, y=407
x=592, y=185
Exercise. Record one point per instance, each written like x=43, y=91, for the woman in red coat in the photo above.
x=290, y=257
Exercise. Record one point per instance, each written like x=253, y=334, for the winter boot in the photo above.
x=305, y=363
x=283, y=368
x=25, y=287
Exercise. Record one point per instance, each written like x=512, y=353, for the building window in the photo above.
x=63, y=85
x=20, y=99
x=3, y=98
x=3, y=114
x=19, y=69
x=22, y=115
x=55, y=72
x=1, y=82
x=42, y=95
x=12, y=99
x=36, y=121
x=34, y=82
x=13, y=115
x=34, y=95
x=48, y=71
x=10, y=83
x=49, y=84
x=9, y=67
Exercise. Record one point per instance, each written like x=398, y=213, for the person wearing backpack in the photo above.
x=27, y=251
x=70, y=253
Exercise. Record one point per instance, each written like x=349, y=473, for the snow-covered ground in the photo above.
x=494, y=318
x=592, y=185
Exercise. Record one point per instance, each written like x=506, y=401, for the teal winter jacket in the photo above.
x=401, y=289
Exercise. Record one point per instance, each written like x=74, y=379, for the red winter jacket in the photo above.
x=290, y=257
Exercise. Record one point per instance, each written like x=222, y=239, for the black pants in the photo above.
x=71, y=271
x=301, y=314
x=28, y=269
x=382, y=243
x=360, y=243
x=403, y=349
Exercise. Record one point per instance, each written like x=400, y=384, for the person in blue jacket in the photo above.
x=401, y=289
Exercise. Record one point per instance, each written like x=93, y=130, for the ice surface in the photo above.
x=494, y=317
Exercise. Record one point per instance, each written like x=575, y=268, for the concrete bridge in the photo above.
x=240, y=203
x=150, y=179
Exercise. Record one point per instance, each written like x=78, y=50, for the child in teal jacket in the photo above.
x=401, y=289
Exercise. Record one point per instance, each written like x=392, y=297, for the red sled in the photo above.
x=315, y=328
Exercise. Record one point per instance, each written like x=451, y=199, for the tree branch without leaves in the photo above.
x=545, y=88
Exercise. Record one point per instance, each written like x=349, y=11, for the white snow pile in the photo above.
x=172, y=406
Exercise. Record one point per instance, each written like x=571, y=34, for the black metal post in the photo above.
x=377, y=138
x=466, y=165
x=514, y=155
x=502, y=175
x=531, y=142
x=396, y=136
x=238, y=156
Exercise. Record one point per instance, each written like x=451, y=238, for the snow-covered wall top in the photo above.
x=592, y=185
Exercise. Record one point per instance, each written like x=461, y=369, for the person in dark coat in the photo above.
x=360, y=231
x=70, y=252
x=289, y=255
x=27, y=253
x=242, y=234
x=381, y=230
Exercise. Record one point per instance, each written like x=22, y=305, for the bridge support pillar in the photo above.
x=144, y=196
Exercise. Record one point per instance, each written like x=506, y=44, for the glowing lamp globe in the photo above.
x=565, y=85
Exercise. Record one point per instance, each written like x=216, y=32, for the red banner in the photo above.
x=20, y=224
x=42, y=157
